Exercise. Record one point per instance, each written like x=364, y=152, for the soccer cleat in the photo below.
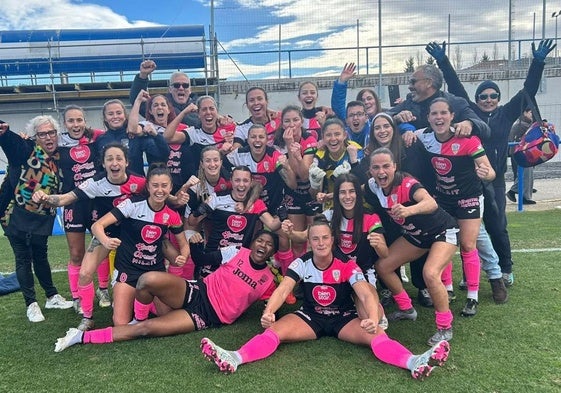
x=226, y=361
x=498, y=288
x=422, y=365
x=463, y=285
x=86, y=324
x=451, y=296
x=403, y=274
x=77, y=306
x=441, y=335
x=383, y=323
x=386, y=298
x=424, y=299
x=73, y=337
x=403, y=314
x=104, y=298
x=34, y=313
x=470, y=309
x=508, y=278
x=57, y=301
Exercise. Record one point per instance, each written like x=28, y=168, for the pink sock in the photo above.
x=259, y=347
x=153, y=309
x=390, y=351
x=446, y=276
x=443, y=319
x=98, y=336
x=472, y=269
x=103, y=273
x=284, y=258
x=175, y=270
x=73, y=276
x=141, y=310
x=86, y=294
x=403, y=300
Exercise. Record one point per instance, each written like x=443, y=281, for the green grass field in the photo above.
x=508, y=348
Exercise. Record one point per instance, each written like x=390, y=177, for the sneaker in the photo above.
x=463, y=286
x=104, y=298
x=500, y=295
x=424, y=299
x=227, y=361
x=422, y=365
x=508, y=278
x=441, y=335
x=470, y=309
x=57, y=301
x=386, y=298
x=403, y=274
x=451, y=296
x=403, y=314
x=34, y=313
x=511, y=196
x=73, y=337
x=77, y=306
x=86, y=324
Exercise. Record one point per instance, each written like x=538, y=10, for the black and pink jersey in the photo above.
x=200, y=192
x=453, y=164
x=362, y=253
x=197, y=139
x=308, y=146
x=265, y=172
x=311, y=123
x=236, y=285
x=78, y=159
x=180, y=161
x=230, y=228
x=418, y=224
x=242, y=130
x=326, y=292
x=107, y=195
x=141, y=242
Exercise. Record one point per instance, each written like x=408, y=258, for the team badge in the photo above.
x=134, y=188
x=165, y=218
x=336, y=274
x=455, y=148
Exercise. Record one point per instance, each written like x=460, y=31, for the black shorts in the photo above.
x=449, y=235
x=77, y=216
x=326, y=325
x=463, y=209
x=198, y=306
x=301, y=204
x=127, y=276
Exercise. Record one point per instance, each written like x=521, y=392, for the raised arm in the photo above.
x=339, y=93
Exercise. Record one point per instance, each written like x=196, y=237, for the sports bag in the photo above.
x=539, y=144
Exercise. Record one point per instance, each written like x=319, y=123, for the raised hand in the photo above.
x=436, y=51
x=544, y=48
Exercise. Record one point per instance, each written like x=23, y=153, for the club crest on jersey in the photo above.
x=80, y=153
x=236, y=223
x=123, y=277
x=134, y=187
x=336, y=273
x=324, y=295
x=151, y=233
x=165, y=218
x=455, y=148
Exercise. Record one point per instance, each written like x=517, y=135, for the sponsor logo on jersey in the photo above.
x=324, y=295
x=442, y=165
x=151, y=233
x=236, y=223
x=80, y=153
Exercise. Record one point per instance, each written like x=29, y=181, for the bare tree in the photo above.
x=431, y=60
x=495, y=52
x=419, y=58
x=485, y=57
x=457, y=57
x=475, y=56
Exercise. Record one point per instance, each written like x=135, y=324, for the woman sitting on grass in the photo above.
x=327, y=310
x=185, y=306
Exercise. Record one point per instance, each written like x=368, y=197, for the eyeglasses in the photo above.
x=45, y=134
x=493, y=96
x=412, y=81
x=357, y=114
x=178, y=85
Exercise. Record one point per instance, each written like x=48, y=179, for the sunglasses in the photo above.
x=493, y=96
x=44, y=135
x=178, y=85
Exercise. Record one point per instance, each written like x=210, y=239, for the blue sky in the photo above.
x=244, y=25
